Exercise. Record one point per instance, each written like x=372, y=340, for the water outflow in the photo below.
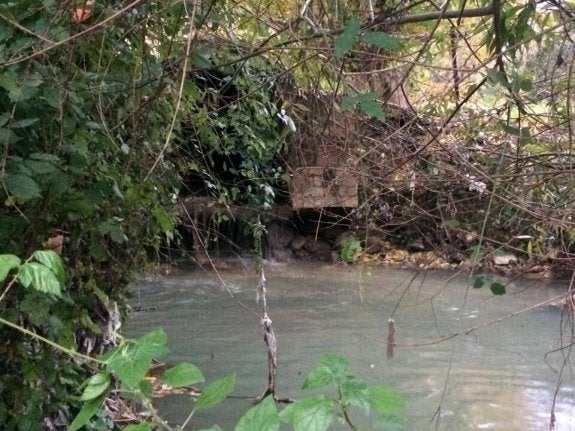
x=500, y=376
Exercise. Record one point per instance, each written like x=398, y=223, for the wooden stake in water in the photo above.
x=390, y=338
x=271, y=343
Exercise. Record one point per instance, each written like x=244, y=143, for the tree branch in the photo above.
x=431, y=16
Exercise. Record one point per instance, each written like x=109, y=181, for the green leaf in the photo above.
x=115, y=231
x=88, y=410
x=8, y=136
x=331, y=369
x=345, y=41
x=46, y=157
x=163, y=219
x=381, y=40
x=371, y=107
x=213, y=428
x=350, y=250
x=137, y=427
x=497, y=288
x=7, y=263
x=52, y=96
x=311, y=414
x=39, y=167
x=21, y=186
x=36, y=307
x=39, y=277
x=354, y=393
x=216, y=392
x=9, y=82
x=318, y=378
x=261, y=417
x=53, y=261
x=367, y=103
x=21, y=124
x=97, y=385
x=132, y=361
x=478, y=281
x=23, y=93
x=183, y=374
x=154, y=343
x=526, y=84
x=349, y=102
x=495, y=77
x=385, y=400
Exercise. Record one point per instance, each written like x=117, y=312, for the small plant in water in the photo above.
x=351, y=250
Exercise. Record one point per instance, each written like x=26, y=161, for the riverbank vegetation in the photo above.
x=452, y=122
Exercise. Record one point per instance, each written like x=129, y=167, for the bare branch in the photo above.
x=436, y=15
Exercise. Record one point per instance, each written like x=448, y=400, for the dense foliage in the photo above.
x=81, y=124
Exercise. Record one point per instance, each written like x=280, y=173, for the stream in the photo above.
x=499, y=376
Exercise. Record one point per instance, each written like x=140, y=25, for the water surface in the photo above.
x=502, y=376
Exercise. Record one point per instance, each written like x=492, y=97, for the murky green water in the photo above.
x=500, y=377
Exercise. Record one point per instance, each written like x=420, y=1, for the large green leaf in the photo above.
x=37, y=276
x=183, y=374
x=96, y=386
x=354, y=393
x=53, y=261
x=21, y=186
x=385, y=400
x=89, y=409
x=7, y=263
x=39, y=167
x=132, y=361
x=22, y=93
x=216, y=392
x=163, y=219
x=115, y=231
x=371, y=107
x=26, y=122
x=381, y=40
x=311, y=414
x=261, y=417
x=345, y=41
x=331, y=369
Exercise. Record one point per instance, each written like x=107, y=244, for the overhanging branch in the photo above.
x=431, y=16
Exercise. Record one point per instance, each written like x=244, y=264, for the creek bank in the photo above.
x=337, y=236
x=283, y=247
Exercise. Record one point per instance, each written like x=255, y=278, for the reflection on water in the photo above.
x=497, y=377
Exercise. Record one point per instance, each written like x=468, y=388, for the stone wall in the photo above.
x=317, y=187
x=319, y=167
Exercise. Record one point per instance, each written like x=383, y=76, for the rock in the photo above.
x=335, y=257
x=505, y=259
x=281, y=255
x=279, y=236
x=317, y=247
x=415, y=246
x=453, y=255
x=374, y=244
x=298, y=242
x=302, y=254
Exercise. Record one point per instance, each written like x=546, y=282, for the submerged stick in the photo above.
x=390, y=338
